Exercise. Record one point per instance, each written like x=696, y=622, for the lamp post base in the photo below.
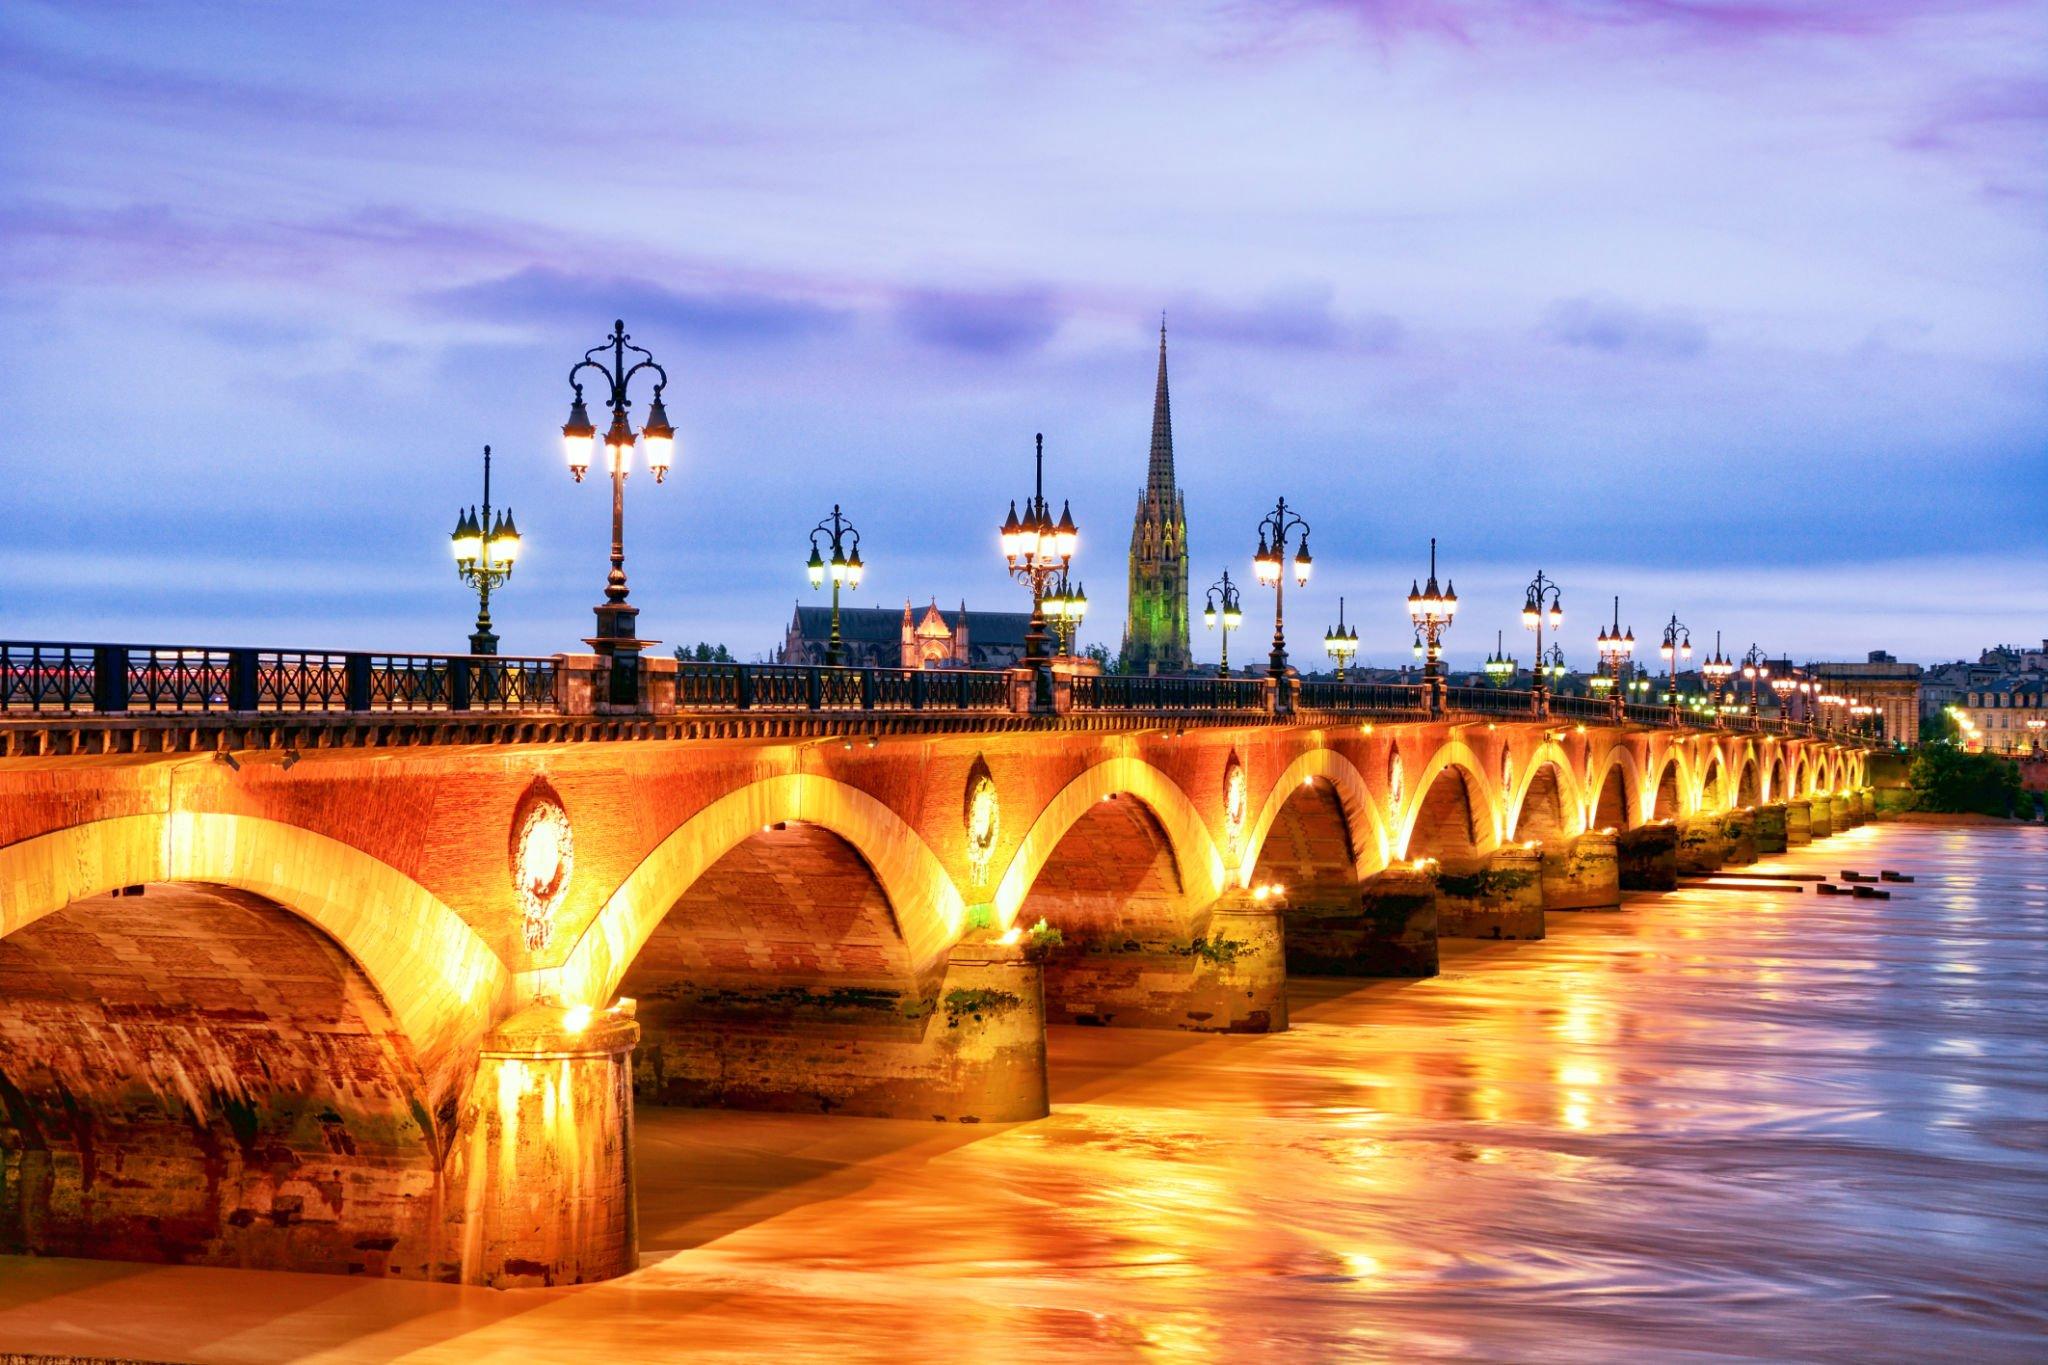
x=483, y=642
x=617, y=642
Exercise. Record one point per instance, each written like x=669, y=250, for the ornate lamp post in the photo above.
x=1499, y=668
x=845, y=566
x=1717, y=670
x=1066, y=606
x=1541, y=605
x=1676, y=645
x=1551, y=666
x=484, y=553
x=1615, y=649
x=1339, y=643
x=1274, y=529
x=1784, y=685
x=1756, y=673
x=617, y=639
x=1431, y=609
x=1038, y=549
x=1223, y=603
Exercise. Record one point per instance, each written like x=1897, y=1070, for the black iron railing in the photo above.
x=798, y=687
x=176, y=679
x=1374, y=698
x=1573, y=707
x=1193, y=692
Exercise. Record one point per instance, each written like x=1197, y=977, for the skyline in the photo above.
x=1464, y=267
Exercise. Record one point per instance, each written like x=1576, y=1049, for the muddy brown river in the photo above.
x=1708, y=1126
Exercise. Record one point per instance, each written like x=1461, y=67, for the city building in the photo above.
x=2006, y=717
x=1156, y=627
x=881, y=637
x=1880, y=681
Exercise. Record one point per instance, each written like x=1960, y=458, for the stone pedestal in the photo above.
x=970, y=1050
x=548, y=1158
x=1820, y=816
x=1842, y=810
x=1582, y=873
x=1702, y=846
x=1770, y=828
x=1648, y=856
x=1739, y=827
x=1387, y=928
x=1798, y=823
x=1230, y=978
x=1497, y=896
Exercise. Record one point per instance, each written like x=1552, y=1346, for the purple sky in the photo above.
x=1737, y=309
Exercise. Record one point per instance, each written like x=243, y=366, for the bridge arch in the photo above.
x=1615, y=793
x=1668, y=794
x=1433, y=797
x=1713, y=790
x=928, y=909
x=443, y=984
x=1547, y=801
x=1197, y=858
x=1370, y=847
x=1748, y=785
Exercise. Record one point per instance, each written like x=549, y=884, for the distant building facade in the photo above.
x=1156, y=626
x=881, y=637
x=1882, y=681
x=2006, y=717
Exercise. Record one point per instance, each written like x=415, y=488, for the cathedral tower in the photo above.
x=1156, y=628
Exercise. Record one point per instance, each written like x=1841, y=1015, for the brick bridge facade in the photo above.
x=388, y=1010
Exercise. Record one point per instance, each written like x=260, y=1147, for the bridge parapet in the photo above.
x=95, y=698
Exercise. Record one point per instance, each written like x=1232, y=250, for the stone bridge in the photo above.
x=387, y=1008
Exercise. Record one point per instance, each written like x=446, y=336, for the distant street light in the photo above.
x=1037, y=549
x=1339, y=643
x=1499, y=668
x=1431, y=609
x=1676, y=645
x=1066, y=606
x=1615, y=649
x=484, y=554
x=1756, y=673
x=1223, y=604
x=845, y=568
x=1717, y=670
x=617, y=639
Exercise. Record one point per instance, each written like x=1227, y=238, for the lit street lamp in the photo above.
x=1499, y=668
x=1038, y=548
x=1223, y=603
x=1676, y=645
x=1066, y=606
x=617, y=639
x=1717, y=670
x=1615, y=650
x=1431, y=609
x=1541, y=605
x=845, y=566
x=1756, y=672
x=1552, y=666
x=484, y=553
x=1339, y=643
x=1274, y=529
x=1785, y=684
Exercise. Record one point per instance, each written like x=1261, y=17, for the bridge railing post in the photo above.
x=746, y=687
x=355, y=674
x=109, y=678
x=241, y=680
x=867, y=689
x=458, y=684
x=917, y=690
x=814, y=683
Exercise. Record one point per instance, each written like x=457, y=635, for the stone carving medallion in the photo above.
x=543, y=856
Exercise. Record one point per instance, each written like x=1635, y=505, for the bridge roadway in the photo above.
x=336, y=989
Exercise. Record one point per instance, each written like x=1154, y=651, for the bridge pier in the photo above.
x=1740, y=827
x=1820, y=816
x=1703, y=845
x=1649, y=858
x=549, y=1152
x=1770, y=828
x=1230, y=977
x=970, y=1051
x=1385, y=927
x=1842, y=812
x=1582, y=873
x=1497, y=895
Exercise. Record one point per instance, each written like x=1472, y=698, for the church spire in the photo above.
x=1159, y=474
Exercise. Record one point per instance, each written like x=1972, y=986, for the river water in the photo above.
x=1709, y=1126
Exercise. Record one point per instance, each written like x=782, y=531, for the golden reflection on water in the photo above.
x=1740, y=1124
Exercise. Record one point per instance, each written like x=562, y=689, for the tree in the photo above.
x=703, y=654
x=1947, y=778
x=1100, y=653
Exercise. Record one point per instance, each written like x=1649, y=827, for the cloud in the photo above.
x=1290, y=319
x=983, y=323
x=733, y=314
x=1604, y=324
